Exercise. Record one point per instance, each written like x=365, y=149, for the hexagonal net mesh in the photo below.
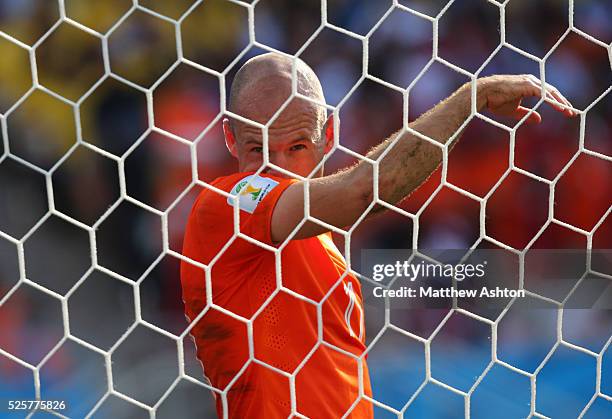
x=110, y=114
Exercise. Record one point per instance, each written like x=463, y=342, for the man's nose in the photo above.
x=278, y=159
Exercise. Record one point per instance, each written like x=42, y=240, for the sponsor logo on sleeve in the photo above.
x=251, y=191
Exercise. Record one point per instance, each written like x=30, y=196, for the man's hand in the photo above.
x=503, y=95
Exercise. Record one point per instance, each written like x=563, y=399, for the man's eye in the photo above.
x=257, y=149
x=298, y=147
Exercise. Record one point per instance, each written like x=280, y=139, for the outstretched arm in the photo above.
x=341, y=198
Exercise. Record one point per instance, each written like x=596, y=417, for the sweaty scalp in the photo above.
x=270, y=74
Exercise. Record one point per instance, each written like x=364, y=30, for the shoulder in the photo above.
x=255, y=196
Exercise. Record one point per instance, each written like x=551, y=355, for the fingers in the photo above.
x=534, y=117
x=504, y=94
x=554, y=97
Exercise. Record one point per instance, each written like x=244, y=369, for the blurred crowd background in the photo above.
x=113, y=114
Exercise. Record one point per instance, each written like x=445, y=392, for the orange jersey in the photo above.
x=285, y=332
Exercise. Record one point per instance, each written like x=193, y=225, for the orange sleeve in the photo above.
x=216, y=215
x=258, y=225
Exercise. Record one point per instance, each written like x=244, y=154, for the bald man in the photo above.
x=302, y=361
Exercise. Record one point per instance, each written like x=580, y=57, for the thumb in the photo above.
x=534, y=118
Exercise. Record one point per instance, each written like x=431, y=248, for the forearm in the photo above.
x=341, y=198
x=411, y=159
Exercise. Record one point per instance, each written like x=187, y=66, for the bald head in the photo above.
x=297, y=137
x=266, y=81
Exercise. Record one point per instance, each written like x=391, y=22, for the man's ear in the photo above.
x=230, y=139
x=329, y=134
